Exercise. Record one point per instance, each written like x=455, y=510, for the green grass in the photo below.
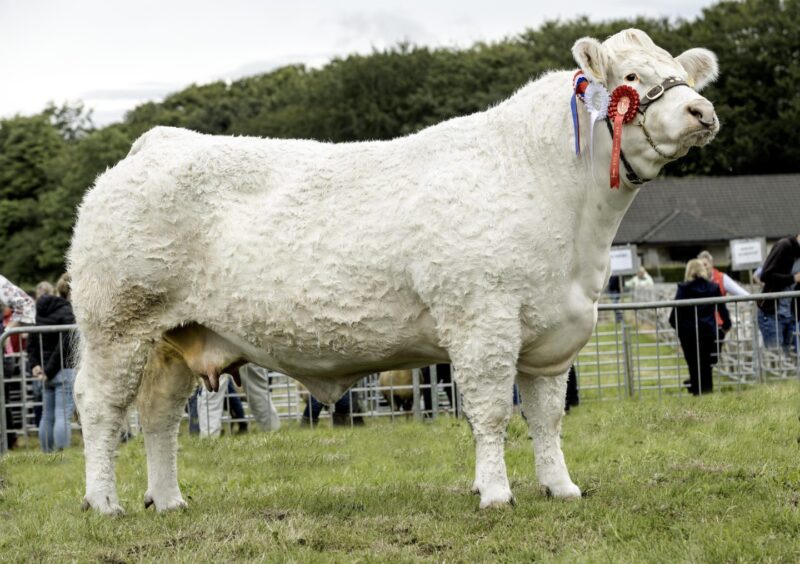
x=711, y=479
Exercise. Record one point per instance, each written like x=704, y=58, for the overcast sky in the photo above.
x=115, y=54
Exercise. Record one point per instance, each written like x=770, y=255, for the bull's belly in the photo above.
x=344, y=362
x=320, y=353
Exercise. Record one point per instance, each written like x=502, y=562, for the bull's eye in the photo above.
x=633, y=77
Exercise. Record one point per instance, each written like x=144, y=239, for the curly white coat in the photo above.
x=483, y=240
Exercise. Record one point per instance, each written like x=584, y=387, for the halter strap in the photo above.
x=658, y=90
x=630, y=174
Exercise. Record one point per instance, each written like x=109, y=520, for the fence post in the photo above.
x=627, y=358
x=3, y=434
x=758, y=356
x=434, y=407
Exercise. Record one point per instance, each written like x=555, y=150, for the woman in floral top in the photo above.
x=21, y=304
x=23, y=312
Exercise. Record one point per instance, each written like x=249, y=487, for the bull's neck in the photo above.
x=584, y=195
x=599, y=218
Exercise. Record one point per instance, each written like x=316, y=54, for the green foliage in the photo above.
x=29, y=147
x=48, y=161
x=710, y=479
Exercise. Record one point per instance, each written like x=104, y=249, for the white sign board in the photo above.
x=624, y=261
x=748, y=253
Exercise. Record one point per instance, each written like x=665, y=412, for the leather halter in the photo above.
x=652, y=95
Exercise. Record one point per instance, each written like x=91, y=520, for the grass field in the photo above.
x=711, y=479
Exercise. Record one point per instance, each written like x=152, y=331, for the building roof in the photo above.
x=705, y=209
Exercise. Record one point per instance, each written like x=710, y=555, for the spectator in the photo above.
x=23, y=308
x=343, y=410
x=697, y=326
x=641, y=280
x=444, y=376
x=641, y=284
x=780, y=272
x=727, y=285
x=615, y=291
x=255, y=381
x=50, y=358
x=19, y=309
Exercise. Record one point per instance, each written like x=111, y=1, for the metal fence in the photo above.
x=633, y=352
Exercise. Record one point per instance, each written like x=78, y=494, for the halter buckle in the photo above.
x=655, y=93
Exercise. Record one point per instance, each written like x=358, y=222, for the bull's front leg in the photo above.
x=543, y=400
x=485, y=360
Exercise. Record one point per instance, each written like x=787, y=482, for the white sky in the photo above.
x=115, y=54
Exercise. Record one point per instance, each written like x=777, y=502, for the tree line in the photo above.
x=47, y=161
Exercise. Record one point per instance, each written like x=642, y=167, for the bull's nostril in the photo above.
x=700, y=116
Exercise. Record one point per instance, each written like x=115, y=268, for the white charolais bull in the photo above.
x=483, y=239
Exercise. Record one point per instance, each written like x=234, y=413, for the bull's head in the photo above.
x=671, y=120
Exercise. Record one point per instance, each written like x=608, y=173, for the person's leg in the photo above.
x=342, y=410
x=47, y=421
x=691, y=353
x=786, y=333
x=425, y=381
x=235, y=407
x=768, y=326
x=64, y=408
x=191, y=408
x=209, y=409
x=255, y=381
x=445, y=375
x=705, y=369
x=36, y=386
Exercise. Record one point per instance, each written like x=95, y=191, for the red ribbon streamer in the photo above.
x=621, y=109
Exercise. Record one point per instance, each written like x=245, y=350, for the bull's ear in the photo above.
x=593, y=59
x=701, y=66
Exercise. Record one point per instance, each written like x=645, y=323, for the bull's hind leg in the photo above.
x=485, y=360
x=107, y=382
x=543, y=400
x=167, y=384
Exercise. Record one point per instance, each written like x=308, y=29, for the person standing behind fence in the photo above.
x=23, y=312
x=50, y=357
x=727, y=285
x=780, y=272
x=697, y=326
x=641, y=284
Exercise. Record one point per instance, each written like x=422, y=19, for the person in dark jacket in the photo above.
x=777, y=319
x=697, y=326
x=50, y=356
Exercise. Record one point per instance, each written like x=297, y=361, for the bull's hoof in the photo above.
x=166, y=503
x=103, y=504
x=495, y=496
x=566, y=490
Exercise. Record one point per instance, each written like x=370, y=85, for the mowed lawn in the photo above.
x=711, y=479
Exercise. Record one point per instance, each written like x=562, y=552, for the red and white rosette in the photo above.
x=621, y=109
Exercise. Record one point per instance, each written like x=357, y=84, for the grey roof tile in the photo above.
x=705, y=209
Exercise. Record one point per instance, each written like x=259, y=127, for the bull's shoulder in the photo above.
x=158, y=135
